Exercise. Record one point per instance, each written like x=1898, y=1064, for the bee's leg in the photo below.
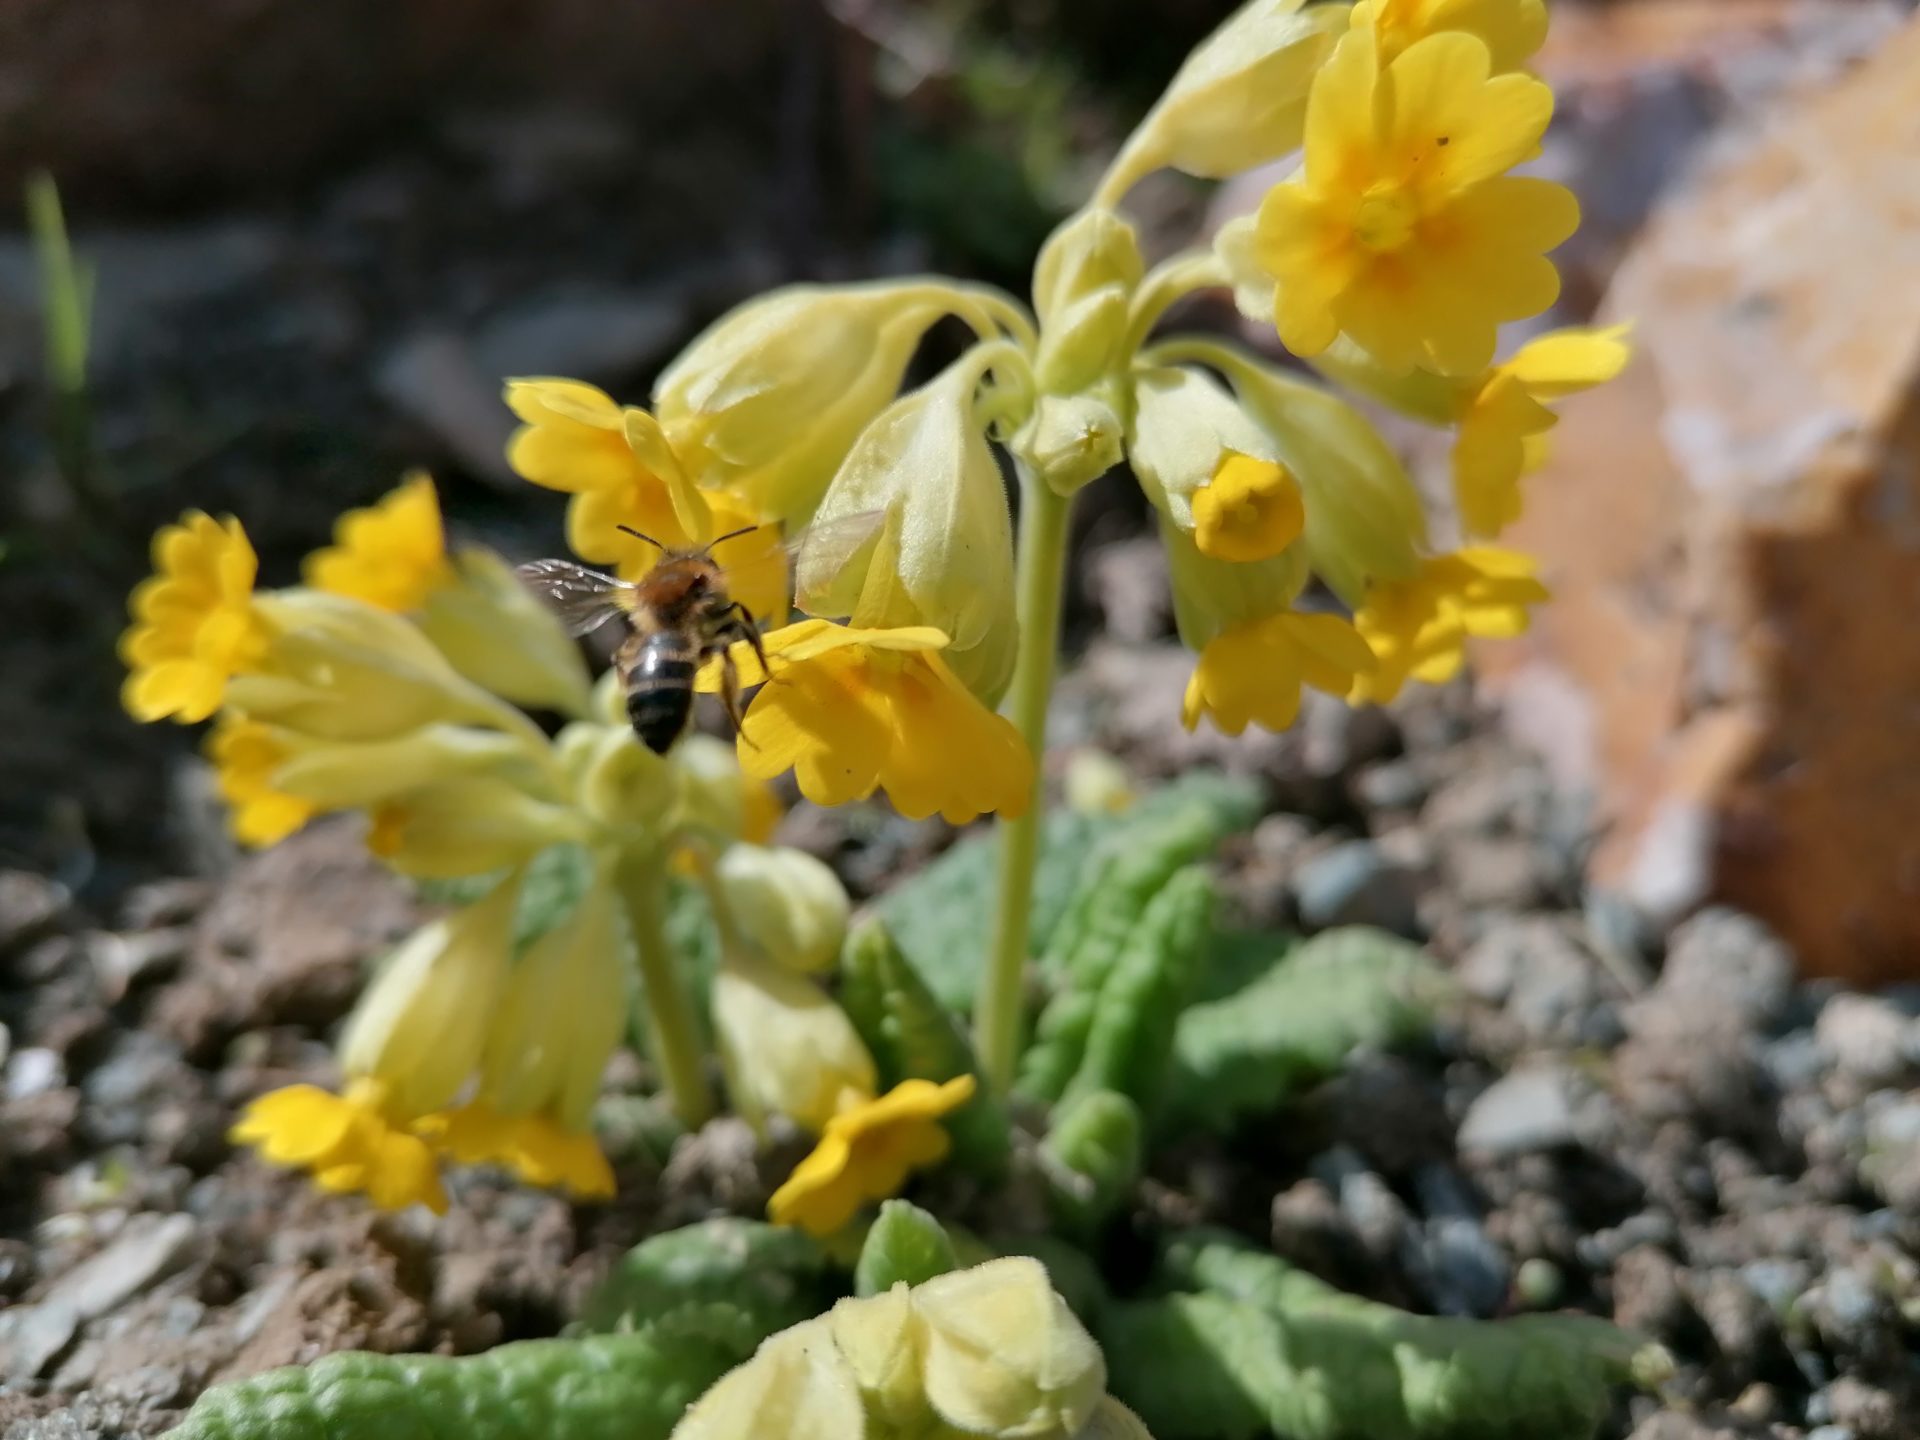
x=730, y=697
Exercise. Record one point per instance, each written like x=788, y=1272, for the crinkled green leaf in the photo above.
x=774, y=1276
x=1296, y=1024
x=603, y=1387
x=1091, y=1159
x=903, y=1243
x=1111, y=1022
x=940, y=916
x=913, y=1036
x=1264, y=1348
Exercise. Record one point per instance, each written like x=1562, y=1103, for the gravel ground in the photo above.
x=1667, y=1129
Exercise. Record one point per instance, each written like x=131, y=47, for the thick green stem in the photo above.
x=673, y=1030
x=1042, y=576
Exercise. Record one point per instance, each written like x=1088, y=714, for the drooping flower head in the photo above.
x=194, y=621
x=1403, y=230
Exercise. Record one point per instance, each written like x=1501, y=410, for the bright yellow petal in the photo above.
x=1563, y=362
x=822, y=719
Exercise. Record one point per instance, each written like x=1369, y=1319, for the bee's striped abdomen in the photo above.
x=660, y=689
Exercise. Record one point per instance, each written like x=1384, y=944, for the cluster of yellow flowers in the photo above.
x=396, y=681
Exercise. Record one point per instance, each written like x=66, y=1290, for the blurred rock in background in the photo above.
x=1733, y=535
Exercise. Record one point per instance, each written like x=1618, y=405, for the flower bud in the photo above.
x=623, y=783
x=1070, y=440
x=496, y=633
x=1240, y=99
x=562, y=1011
x=787, y=1046
x=769, y=400
x=1083, y=281
x=797, y=1384
x=716, y=796
x=881, y=1338
x=1004, y=1354
x=945, y=557
x=420, y=1027
x=787, y=904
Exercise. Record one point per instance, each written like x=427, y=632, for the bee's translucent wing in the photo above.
x=583, y=599
x=822, y=555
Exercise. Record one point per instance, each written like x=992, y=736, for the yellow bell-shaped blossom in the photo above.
x=336, y=668
x=621, y=470
x=392, y=554
x=851, y=710
x=498, y=634
x=349, y=1143
x=1511, y=29
x=1252, y=673
x=412, y=1043
x=468, y=826
x=421, y=1026
x=1363, y=518
x=1418, y=629
x=787, y=1047
x=1240, y=99
x=245, y=755
x=767, y=403
x=1402, y=230
x=866, y=1153
x=945, y=558
x=1504, y=419
x=562, y=1011
x=1185, y=428
x=1250, y=510
x=194, y=621
x=787, y=904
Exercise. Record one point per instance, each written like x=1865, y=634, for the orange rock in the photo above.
x=1733, y=530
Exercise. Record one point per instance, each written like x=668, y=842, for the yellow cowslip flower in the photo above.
x=1418, y=629
x=1511, y=29
x=537, y=1148
x=786, y=1046
x=1253, y=672
x=194, y=621
x=867, y=1152
x=768, y=401
x=944, y=554
x=245, y=756
x=851, y=710
x=1402, y=230
x=1238, y=101
x=620, y=469
x=392, y=554
x=349, y=1142
x=1250, y=510
x=561, y=1012
x=1503, y=419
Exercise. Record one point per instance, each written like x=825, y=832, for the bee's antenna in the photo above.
x=638, y=536
x=732, y=535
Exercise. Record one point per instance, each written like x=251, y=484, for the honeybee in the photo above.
x=679, y=615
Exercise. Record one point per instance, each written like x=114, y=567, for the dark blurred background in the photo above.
x=323, y=233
